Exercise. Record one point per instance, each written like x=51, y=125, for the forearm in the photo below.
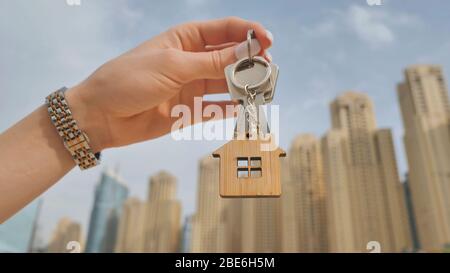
x=32, y=158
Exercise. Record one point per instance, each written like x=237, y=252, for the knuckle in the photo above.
x=233, y=19
x=216, y=61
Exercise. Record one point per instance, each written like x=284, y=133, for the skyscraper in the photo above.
x=338, y=205
x=110, y=194
x=360, y=165
x=425, y=108
x=186, y=235
x=130, y=236
x=17, y=232
x=261, y=225
x=66, y=231
x=289, y=228
x=307, y=188
x=208, y=227
x=163, y=212
x=411, y=215
x=399, y=231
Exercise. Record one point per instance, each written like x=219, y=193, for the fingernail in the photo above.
x=241, y=50
x=269, y=56
x=269, y=35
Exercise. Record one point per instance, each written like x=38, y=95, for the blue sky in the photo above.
x=322, y=48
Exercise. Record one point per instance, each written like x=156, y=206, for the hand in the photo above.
x=129, y=99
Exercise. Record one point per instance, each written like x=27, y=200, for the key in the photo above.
x=261, y=76
x=258, y=77
x=247, y=170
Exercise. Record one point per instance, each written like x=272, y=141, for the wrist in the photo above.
x=89, y=119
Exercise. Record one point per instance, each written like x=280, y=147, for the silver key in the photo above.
x=252, y=82
x=260, y=77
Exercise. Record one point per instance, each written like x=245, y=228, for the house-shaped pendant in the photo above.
x=249, y=170
x=250, y=163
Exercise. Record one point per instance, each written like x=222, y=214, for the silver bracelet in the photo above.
x=75, y=140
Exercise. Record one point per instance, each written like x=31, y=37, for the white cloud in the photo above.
x=322, y=29
x=370, y=26
x=376, y=27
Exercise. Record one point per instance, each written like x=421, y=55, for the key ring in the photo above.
x=242, y=63
x=250, y=35
x=250, y=93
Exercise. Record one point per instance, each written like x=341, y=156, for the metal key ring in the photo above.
x=250, y=93
x=255, y=86
x=250, y=35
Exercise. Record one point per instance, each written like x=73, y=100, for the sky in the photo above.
x=323, y=48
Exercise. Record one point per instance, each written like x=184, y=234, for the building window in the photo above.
x=249, y=167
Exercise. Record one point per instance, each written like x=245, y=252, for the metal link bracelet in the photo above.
x=75, y=140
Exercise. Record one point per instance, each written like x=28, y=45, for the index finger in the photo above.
x=196, y=35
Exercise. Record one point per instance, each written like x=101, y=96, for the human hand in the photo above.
x=129, y=99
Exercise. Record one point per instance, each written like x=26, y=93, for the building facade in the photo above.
x=110, y=195
x=163, y=212
x=307, y=188
x=130, y=236
x=208, y=223
x=424, y=104
x=66, y=231
x=411, y=215
x=360, y=166
x=261, y=225
x=338, y=205
x=186, y=235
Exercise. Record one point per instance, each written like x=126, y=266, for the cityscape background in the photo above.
x=332, y=47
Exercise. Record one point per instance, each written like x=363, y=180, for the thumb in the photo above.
x=211, y=65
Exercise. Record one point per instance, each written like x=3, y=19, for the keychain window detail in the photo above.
x=249, y=167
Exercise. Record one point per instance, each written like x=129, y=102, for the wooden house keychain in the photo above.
x=250, y=163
